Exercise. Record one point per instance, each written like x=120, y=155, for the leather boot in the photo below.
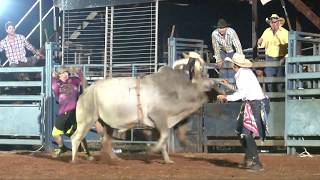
x=255, y=165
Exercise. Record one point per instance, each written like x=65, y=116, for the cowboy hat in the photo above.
x=276, y=17
x=193, y=55
x=222, y=23
x=240, y=60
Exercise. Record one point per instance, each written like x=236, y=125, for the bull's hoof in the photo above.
x=168, y=162
x=90, y=158
x=116, y=158
x=73, y=161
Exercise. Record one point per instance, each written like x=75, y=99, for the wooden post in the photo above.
x=254, y=23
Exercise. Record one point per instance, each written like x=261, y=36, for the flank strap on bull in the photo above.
x=139, y=106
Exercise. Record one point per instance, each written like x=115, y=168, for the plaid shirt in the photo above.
x=15, y=51
x=226, y=43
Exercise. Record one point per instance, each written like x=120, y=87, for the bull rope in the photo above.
x=139, y=107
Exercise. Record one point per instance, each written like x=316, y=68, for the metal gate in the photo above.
x=21, y=107
x=302, y=91
x=193, y=124
x=115, y=38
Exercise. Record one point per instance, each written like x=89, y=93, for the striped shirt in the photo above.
x=16, y=50
x=226, y=43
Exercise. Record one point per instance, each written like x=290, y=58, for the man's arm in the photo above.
x=261, y=43
x=1, y=46
x=236, y=42
x=216, y=49
x=29, y=46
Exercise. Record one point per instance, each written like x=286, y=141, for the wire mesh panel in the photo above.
x=121, y=38
x=133, y=38
x=83, y=36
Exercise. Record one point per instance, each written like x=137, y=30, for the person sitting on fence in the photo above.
x=250, y=120
x=225, y=42
x=15, y=46
x=66, y=89
x=275, y=41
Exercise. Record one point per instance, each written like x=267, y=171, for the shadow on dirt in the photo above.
x=81, y=159
x=219, y=162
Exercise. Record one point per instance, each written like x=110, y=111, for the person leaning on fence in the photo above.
x=225, y=42
x=251, y=123
x=275, y=41
x=66, y=90
x=15, y=46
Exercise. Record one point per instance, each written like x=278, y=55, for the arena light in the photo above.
x=4, y=6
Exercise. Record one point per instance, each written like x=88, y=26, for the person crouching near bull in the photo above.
x=250, y=122
x=66, y=90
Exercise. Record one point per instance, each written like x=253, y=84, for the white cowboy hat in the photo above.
x=194, y=55
x=276, y=17
x=240, y=60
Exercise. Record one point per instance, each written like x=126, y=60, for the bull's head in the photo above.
x=207, y=84
x=192, y=64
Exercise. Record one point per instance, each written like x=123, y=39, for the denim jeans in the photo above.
x=224, y=72
x=274, y=72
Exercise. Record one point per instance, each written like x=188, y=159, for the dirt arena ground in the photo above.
x=25, y=166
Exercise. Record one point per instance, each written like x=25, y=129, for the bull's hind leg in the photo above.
x=160, y=122
x=85, y=147
x=77, y=137
x=107, y=153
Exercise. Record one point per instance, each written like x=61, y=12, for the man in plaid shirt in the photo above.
x=15, y=47
x=225, y=43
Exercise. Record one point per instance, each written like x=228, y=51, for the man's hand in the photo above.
x=54, y=74
x=260, y=40
x=220, y=64
x=282, y=61
x=222, y=98
x=39, y=55
x=224, y=82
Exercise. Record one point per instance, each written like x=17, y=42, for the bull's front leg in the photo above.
x=160, y=121
x=162, y=145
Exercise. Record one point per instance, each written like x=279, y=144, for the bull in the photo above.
x=160, y=100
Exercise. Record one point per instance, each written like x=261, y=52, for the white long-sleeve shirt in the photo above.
x=248, y=87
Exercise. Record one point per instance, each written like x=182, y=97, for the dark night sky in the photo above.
x=14, y=10
x=196, y=20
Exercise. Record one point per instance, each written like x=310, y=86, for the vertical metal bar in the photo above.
x=105, y=43
x=254, y=27
x=40, y=21
x=171, y=50
x=156, y=37
x=48, y=95
x=54, y=19
x=63, y=40
x=75, y=57
x=111, y=42
x=151, y=37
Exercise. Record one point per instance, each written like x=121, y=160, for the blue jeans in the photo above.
x=224, y=72
x=274, y=72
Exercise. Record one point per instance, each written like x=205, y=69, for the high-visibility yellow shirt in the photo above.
x=276, y=45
